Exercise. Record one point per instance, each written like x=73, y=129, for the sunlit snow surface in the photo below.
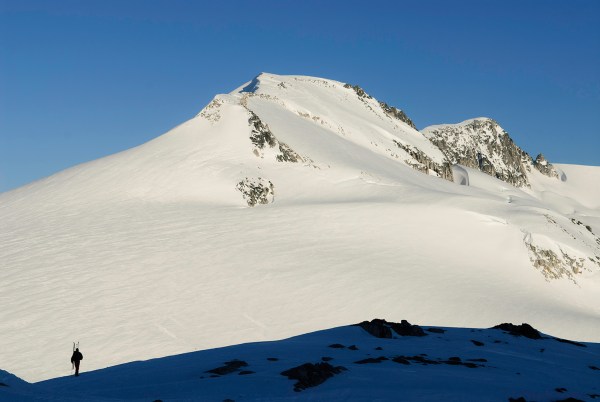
x=153, y=251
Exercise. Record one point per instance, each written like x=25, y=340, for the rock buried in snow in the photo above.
x=311, y=375
x=383, y=329
x=524, y=329
x=372, y=360
x=229, y=367
x=581, y=345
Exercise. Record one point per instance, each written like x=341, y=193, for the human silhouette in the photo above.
x=76, y=358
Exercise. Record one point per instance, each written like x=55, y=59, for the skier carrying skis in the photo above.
x=76, y=358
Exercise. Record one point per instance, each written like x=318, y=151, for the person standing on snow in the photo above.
x=76, y=358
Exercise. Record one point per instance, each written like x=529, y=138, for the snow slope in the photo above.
x=451, y=364
x=155, y=251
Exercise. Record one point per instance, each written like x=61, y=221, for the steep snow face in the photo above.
x=288, y=197
x=482, y=144
x=350, y=113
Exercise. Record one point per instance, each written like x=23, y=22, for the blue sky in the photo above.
x=83, y=79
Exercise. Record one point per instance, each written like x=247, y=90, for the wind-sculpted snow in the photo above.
x=351, y=363
x=194, y=240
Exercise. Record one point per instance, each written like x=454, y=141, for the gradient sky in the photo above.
x=83, y=79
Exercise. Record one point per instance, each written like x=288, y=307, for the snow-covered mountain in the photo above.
x=288, y=205
x=372, y=361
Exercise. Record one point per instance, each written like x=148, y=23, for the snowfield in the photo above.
x=156, y=251
x=346, y=363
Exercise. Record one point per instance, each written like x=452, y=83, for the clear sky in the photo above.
x=83, y=79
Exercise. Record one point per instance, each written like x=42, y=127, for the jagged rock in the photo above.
x=407, y=329
x=587, y=227
x=261, y=134
x=311, y=375
x=524, y=329
x=377, y=327
x=287, y=154
x=359, y=91
x=424, y=163
x=554, y=266
x=256, y=191
x=544, y=167
x=382, y=329
x=482, y=144
x=397, y=114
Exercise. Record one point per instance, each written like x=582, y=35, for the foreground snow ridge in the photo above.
x=373, y=360
x=293, y=196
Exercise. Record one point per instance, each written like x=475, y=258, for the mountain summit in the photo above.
x=291, y=204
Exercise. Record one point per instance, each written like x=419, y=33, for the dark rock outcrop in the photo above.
x=425, y=163
x=396, y=113
x=383, y=329
x=404, y=328
x=261, y=134
x=310, y=375
x=544, y=167
x=524, y=329
x=256, y=191
x=229, y=367
x=377, y=327
x=359, y=91
x=262, y=137
x=372, y=360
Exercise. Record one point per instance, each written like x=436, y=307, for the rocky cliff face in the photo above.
x=482, y=144
x=545, y=167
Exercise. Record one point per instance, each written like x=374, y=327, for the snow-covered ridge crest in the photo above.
x=347, y=111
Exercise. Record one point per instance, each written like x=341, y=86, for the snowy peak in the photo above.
x=482, y=144
x=345, y=192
